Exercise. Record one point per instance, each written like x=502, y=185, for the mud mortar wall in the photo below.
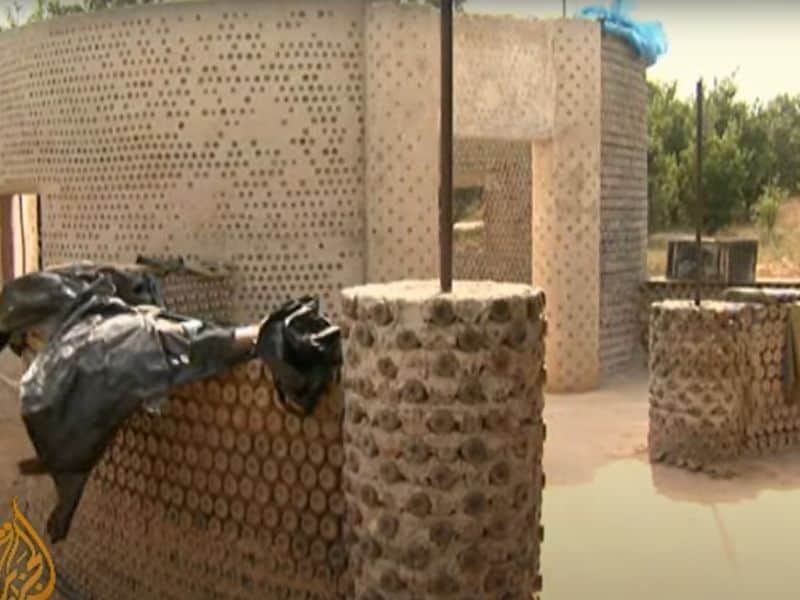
x=215, y=130
x=443, y=438
x=658, y=289
x=773, y=418
x=224, y=496
x=717, y=387
x=199, y=297
x=699, y=372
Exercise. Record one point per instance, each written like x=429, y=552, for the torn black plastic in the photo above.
x=300, y=345
x=47, y=298
x=107, y=358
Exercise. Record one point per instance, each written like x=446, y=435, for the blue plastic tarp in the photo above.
x=646, y=37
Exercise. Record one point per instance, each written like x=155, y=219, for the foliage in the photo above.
x=767, y=209
x=92, y=5
x=745, y=148
x=669, y=122
x=45, y=9
x=782, y=116
x=13, y=14
x=468, y=203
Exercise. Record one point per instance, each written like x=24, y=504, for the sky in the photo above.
x=757, y=39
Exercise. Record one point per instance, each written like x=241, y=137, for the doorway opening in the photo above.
x=20, y=242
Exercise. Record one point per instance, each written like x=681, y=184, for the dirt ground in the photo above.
x=615, y=526
x=14, y=443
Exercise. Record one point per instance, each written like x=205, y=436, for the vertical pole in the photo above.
x=446, y=153
x=564, y=8
x=24, y=249
x=698, y=202
x=39, y=230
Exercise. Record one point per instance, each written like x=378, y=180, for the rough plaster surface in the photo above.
x=225, y=130
x=444, y=438
x=504, y=77
x=224, y=496
x=402, y=141
x=566, y=209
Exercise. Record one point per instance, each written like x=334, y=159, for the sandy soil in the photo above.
x=617, y=527
x=14, y=444
x=589, y=431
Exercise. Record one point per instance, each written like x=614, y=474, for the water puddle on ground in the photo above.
x=656, y=533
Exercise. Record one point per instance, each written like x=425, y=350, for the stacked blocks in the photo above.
x=718, y=379
x=443, y=437
x=224, y=496
x=699, y=368
x=773, y=416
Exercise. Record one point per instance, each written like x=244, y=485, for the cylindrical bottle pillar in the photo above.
x=699, y=378
x=443, y=439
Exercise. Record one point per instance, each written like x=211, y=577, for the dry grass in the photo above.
x=778, y=254
x=469, y=239
x=657, y=254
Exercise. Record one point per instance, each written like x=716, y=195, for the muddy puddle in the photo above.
x=656, y=533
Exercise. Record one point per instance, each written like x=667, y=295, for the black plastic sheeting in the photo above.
x=112, y=349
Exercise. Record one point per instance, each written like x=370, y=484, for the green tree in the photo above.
x=746, y=146
x=93, y=5
x=57, y=8
x=782, y=120
x=669, y=123
x=766, y=210
x=42, y=10
x=14, y=14
x=725, y=162
x=760, y=156
x=724, y=176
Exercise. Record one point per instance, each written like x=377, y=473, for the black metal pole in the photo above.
x=698, y=202
x=39, y=229
x=23, y=248
x=446, y=153
x=564, y=8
